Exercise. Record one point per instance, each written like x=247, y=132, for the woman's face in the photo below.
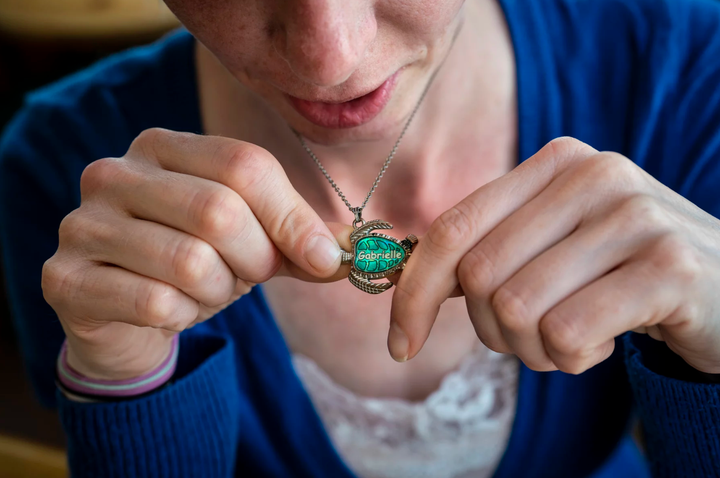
x=329, y=51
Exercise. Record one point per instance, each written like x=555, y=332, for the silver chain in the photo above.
x=358, y=210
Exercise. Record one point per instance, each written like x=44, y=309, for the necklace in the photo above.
x=373, y=255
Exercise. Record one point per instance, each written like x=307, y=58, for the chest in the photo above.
x=345, y=331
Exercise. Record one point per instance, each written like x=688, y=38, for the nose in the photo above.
x=324, y=41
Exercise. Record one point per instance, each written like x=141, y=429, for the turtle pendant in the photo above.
x=376, y=256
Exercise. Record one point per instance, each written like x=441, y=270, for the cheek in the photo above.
x=424, y=20
x=235, y=31
x=238, y=32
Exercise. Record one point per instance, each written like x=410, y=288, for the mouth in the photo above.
x=346, y=114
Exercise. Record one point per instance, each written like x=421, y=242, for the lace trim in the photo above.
x=459, y=431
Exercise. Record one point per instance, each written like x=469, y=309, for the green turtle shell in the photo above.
x=377, y=254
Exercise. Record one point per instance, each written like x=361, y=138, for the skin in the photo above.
x=183, y=225
x=472, y=128
x=582, y=247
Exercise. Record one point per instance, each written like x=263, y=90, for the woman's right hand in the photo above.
x=167, y=236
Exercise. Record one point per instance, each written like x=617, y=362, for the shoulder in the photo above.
x=615, y=48
x=98, y=110
x=140, y=71
x=616, y=13
x=639, y=77
x=632, y=24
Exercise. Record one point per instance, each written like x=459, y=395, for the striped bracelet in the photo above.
x=76, y=382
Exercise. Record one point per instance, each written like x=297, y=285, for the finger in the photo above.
x=241, y=288
x=532, y=229
x=218, y=215
x=633, y=295
x=205, y=209
x=292, y=225
x=395, y=278
x=431, y=274
x=488, y=329
x=168, y=255
x=509, y=274
x=593, y=250
x=341, y=232
x=106, y=293
x=653, y=331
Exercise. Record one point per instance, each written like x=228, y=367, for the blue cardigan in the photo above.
x=640, y=77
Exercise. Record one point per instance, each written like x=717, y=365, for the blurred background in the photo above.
x=41, y=41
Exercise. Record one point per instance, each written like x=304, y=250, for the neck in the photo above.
x=467, y=116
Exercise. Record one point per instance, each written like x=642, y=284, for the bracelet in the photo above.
x=85, y=398
x=77, y=383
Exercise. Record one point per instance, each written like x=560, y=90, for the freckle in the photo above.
x=270, y=29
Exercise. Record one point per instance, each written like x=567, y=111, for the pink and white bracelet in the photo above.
x=76, y=383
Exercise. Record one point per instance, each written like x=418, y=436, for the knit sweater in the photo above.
x=639, y=77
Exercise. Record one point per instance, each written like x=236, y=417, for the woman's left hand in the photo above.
x=561, y=255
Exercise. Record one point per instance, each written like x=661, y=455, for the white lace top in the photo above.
x=459, y=431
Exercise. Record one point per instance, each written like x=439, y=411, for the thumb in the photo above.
x=342, y=236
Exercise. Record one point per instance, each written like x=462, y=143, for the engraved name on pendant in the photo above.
x=376, y=256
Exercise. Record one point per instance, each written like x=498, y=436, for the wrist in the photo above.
x=659, y=358
x=122, y=358
x=75, y=383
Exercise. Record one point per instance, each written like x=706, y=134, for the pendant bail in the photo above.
x=358, y=216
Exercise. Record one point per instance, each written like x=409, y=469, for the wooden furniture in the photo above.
x=84, y=18
x=41, y=41
x=24, y=459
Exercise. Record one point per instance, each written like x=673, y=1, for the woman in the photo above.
x=180, y=176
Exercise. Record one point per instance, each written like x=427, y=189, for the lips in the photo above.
x=347, y=114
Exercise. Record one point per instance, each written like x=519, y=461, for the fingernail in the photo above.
x=398, y=343
x=321, y=252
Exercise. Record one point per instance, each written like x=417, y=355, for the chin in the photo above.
x=383, y=127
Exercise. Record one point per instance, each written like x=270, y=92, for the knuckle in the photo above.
x=402, y=294
x=452, y=230
x=147, y=141
x=193, y=261
x=150, y=135
x=247, y=165
x=407, y=291
x=289, y=230
x=584, y=359
x=539, y=365
x=290, y=223
x=609, y=168
x=57, y=280
x=566, y=148
x=272, y=265
x=237, y=289
x=157, y=305
x=561, y=152
x=494, y=343
x=688, y=314
x=81, y=230
x=71, y=228
x=673, y=256
x=476, y=273
x=564, y=145
x=642, y=213
x=512, y=310
x=99, y=176
x=572, y=367
x=562, y=335
x=217, y=214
